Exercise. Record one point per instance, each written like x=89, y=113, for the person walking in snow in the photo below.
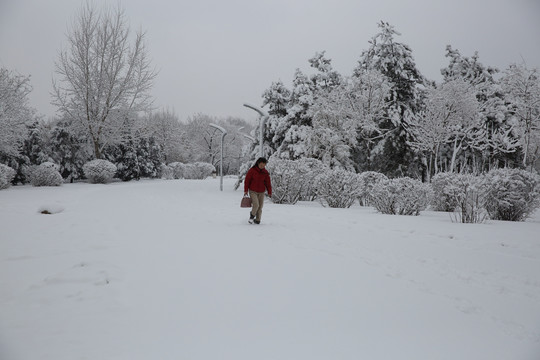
x=256, y=183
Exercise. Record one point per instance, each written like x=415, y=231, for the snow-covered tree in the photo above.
x=167, y=131
x=35, y=144
x=102, y=78
x=291, y=132
x=199, y=140
x=349, y=116
x=522, y=90
x=202, y=143
x=449, y=118
x=493, y=142
x=15, y=111
x=69, y=150
x=326, y=77
x=395, y=61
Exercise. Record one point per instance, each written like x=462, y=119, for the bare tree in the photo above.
x=14, y=110
x=104, y=79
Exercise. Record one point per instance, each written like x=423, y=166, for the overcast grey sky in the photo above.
x=214, y=55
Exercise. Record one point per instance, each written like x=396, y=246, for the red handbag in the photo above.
x=246, y=202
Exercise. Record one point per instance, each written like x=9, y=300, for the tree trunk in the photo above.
x=454, y=154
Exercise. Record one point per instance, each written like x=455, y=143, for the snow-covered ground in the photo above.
x=171, y=270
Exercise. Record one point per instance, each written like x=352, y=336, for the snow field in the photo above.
x=171, y=270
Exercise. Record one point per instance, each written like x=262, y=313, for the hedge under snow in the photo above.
x=99, y=171
x=46, y=174
x=6, y=176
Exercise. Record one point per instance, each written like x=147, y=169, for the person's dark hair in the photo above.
x=260, y=160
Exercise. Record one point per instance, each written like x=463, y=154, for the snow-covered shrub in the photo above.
x=338, y=188
x=512, y=194
x=197, y=170
x=368, y=179
x=167, y=172
x=99, y=171
x=287, y=180
x=189, y=171
x=202, y=170
x=6, y=176
x=468, y=193
x=401, y=196
x=442, y=201
x=309, y=169
x=178, y=169
x=46, y=174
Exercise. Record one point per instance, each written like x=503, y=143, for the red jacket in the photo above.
x=258, y=180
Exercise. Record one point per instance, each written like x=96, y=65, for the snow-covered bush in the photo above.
x=178, y=169
x=167, y=172
x=99, y=171
x=368, y=179
x=202, y=170
x=46, y=174
x=197, y=170
x=442, y=201
x=188, y=171
x=6, y=176
x=287, y=180
x=468, y=193
x=401, y=196
x=338, y=188
x=310, y=169
x=511, y=194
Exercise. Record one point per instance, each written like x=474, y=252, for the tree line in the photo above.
x=101, y=88
x=385, y=116
x=389, y=118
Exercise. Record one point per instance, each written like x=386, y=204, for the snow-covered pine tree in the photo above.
x=295, y=126
x=326, y=77
x=34, y=144
x=291, y=124
x=395, y=61
x=124, y=156
x=69, y=151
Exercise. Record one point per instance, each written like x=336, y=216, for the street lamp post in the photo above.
x=223, y=133
x=264, y=117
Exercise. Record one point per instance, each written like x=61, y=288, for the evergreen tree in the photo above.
x=34, y=144
x=395, y=61
x=69, y=151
